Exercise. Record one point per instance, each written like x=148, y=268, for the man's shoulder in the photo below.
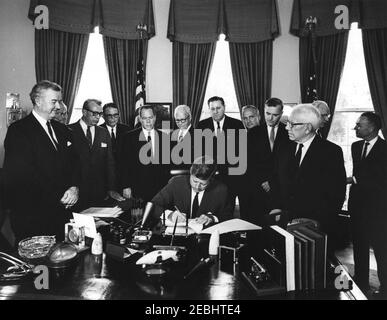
x=234, y=123
x=123, y=127
x=179, y=180
x=205, y=123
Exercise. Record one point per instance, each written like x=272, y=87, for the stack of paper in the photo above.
x=181, y=227
x=101, y=212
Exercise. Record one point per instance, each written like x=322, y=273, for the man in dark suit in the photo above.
x=325, y=113
x=264, y=143
x=116, y=130
x=182, y=141
x=93, y=144
x=198, y=195
x=142, y=168
x=367, y=200
x=310, y=173
x=219, y=123
x=250, y=116
x=40, y=167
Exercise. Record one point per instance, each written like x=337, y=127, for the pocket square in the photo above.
x=69, y=143
x=103, y=145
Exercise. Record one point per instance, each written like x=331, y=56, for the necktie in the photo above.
x=180, y=136
x=195, y=206
x=364, y=154
x=89, y=137
x=271, y=138
x=298, y=154
x=113, y=136
x=218, y=129
x=52, y=134
x=149, y=138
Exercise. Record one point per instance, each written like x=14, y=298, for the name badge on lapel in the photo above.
x=103, y=145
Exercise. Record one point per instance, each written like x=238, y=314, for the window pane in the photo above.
x=220, y=81
x=95, y=78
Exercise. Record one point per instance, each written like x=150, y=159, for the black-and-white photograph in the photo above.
x=181, y=151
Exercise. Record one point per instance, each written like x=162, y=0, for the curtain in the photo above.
x=251, y=65
x=122, y=57
x=330, y=53
x=59, y=57
x=375, y=54
x=191, y=68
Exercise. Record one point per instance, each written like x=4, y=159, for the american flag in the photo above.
x=140, y=76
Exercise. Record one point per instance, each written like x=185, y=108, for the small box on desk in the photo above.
x=232, y=258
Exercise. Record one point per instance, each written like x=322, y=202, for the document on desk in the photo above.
x=87, y=222
x=103, y=212
x=193, y=226
x=231, y=226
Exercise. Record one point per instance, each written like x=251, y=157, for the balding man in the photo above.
x=325, y=113
x=311, y=179
x=367, y=203
x=250, y=116
x=40, y=167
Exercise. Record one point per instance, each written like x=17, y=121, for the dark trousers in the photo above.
x=368, y=231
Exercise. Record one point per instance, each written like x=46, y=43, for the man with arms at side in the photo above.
x=116, y=130
x=198, y=195
x=367, y=200
x=250, y=116
x=264, y=144
x=310, y=173
x=143, y=173
x=325, y=113
x=220, y=123
x=184, y=136
x=93, y=144
x=40, y=167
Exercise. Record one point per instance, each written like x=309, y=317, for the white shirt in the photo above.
x=183, y=132
x=152, y=135
x=43, y=123
x=305, y=148
x=269, y=130
x=110, y=130
x=221, y=122
x=371, y=144
x=84, y=128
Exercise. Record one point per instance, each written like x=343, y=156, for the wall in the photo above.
x=17, y=72
x=17, y=59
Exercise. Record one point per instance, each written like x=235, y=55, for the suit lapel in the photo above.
x=42, y=133
x=310, y=154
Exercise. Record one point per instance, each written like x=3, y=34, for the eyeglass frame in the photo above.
x=116, y=115
x=94, y=113
x=182, y=120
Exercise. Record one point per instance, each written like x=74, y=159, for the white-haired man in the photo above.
x=310, y=175
x=325, y=113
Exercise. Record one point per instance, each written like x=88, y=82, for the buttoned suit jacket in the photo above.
x=97, y=165
x=36, y=176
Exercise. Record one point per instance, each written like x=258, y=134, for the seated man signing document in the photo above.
x=198, y=196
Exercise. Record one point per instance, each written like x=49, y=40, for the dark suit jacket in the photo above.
x=229, y=123
x=368, y=195
x=187, y=143
x=144, y=179
x=98, y=168
x=261, y=158
x=178, y=193
x=120, y=132
x=315, y=190
x=37, y=175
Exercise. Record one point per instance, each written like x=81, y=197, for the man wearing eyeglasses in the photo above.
x=116, y=130
x=325, y=112
x=310, y=173
x=93, y=144
x=182, y=139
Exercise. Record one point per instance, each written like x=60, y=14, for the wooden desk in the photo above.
x=111, y=279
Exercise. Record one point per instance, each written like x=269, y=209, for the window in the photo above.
x=95, y=78
x=220, y=81
x=353, y=98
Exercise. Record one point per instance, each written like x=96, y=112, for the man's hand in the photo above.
x=70, y=197
x=127, y=193
x=204, y=219
x=177, y=215
x=275, y=211
x=115, y=195
x=266, y=186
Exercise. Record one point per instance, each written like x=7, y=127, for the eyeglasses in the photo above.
x=95, y=113
x=116, y=115
x=181, y=120
x=293, y=124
